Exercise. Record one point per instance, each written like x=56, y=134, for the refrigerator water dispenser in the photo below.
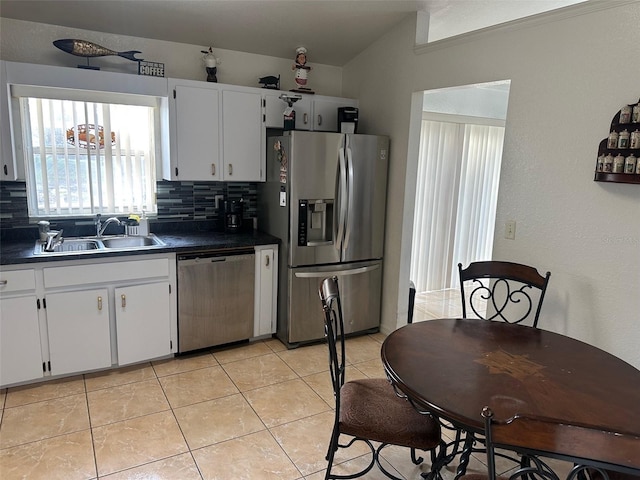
x=315, y=223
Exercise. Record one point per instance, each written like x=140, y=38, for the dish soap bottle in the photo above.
x=143, y=225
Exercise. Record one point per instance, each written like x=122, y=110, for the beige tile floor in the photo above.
x=256, y=411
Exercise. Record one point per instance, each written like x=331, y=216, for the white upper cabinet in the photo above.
x=216, y=133
x=313, y=112
x=325, y=112
x=7, y=165
x=194, y=125
x=274, y=108
x=243, y=136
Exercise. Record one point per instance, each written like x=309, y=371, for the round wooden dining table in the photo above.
x=454, y=367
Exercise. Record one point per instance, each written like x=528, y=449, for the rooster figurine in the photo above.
x=211, y=64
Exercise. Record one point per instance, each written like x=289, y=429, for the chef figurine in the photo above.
x=302, y=70
x=210, y=63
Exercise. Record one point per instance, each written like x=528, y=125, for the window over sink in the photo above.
x=88, y=152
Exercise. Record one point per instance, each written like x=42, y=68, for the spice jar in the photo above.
x=623, y=139
x=613, y=140
x=608, y=163
x=600, y=163
x=630, y=164
x=635, y=115
x=635, y=139
x=625, y=114
x=618, y=164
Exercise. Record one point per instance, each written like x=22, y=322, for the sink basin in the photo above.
x=70, y=245
x=102, y=244
x=128, y=242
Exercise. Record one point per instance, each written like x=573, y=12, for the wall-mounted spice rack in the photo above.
x=619, y=154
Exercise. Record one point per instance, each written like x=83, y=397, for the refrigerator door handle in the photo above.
x=348, y=219
x=319, y=244
x=337, y=273
x=342, y=199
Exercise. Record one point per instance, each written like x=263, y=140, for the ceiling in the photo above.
x=333, y=31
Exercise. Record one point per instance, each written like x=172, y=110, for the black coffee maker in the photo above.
x=233, y=215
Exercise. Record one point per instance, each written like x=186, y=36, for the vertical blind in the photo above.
x=456, y=196
x=87, y=158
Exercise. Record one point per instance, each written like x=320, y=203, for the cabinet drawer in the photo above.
x=17, y=281
x=105, y=272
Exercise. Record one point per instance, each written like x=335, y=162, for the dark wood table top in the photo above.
x=454, y=367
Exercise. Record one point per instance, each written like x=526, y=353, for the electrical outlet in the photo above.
x=510, y=230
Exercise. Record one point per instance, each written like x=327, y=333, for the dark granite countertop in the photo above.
x=22, y=251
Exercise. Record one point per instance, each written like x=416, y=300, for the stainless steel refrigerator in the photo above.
x=325, y=197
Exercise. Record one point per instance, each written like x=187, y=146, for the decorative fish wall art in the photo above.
x=86, y=49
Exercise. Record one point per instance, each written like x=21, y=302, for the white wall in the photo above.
x=31, y=42
x=568, y=79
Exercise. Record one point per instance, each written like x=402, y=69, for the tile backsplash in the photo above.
x=178, y=202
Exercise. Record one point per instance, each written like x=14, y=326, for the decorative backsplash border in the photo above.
x=178, y=202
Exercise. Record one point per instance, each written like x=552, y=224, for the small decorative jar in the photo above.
x=630, y=164
x=608, y=164
x=635, y=139
x=613, y=140
x=625, y=114
x=600, y=164
x=637, y=168
x=635, y=115
x=623, y=139
x=618, y=164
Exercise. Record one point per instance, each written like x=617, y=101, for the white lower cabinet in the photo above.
x=61, y=318
x=266, y=290
x=20, y=346
x=79, y=333
x=20, y=350
x=143, y=322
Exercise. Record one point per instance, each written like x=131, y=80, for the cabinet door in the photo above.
x=78, y=326
x=325, y=113
x=20, y=350
x=143, y=322
x=196, y=134
x=243, y=137
x=266, y=287
x=274, y=111
x=7, y=167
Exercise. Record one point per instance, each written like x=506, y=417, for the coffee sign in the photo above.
x=151, y=69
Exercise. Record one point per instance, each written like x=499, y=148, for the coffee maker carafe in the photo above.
x=233, y=215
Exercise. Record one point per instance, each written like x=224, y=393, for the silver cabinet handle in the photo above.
x=123, y=299
x=230, y=169
x=319, y=119
x=305, y=118
x=213, y=169
x=99, y=303
x=3, y=282
x=266, y=261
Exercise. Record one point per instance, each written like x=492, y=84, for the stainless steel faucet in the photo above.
x=100, y=227
x=54, y=238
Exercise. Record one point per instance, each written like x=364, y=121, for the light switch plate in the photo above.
x=510, y=230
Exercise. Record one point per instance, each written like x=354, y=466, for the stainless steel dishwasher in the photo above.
x=215, y=298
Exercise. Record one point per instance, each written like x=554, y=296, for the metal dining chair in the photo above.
x=538, y=439
x=369, y=410
x=502, y=291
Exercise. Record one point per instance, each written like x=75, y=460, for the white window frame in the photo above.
x=30, y=91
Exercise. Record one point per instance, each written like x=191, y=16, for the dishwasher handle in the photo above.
x=184, y=261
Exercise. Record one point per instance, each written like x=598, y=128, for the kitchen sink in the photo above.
x=71, y=245
x=99, y=244
x=128, y=242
